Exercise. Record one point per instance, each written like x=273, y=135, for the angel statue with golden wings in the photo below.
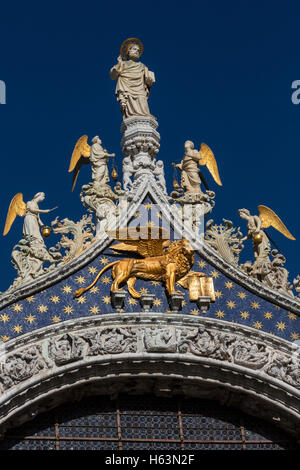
x=190, y=173
x=94, y=154
x=31, y=213
x=30, y=253
x=260, y=240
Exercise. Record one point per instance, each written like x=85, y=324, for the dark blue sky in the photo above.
x=223, y=76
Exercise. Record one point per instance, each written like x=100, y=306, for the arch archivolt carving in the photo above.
x=167, y=354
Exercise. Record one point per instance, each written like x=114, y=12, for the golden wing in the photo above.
x=81, y=152
x=16, y=207
x=147, y=241
x=269, y=218
x=208, y=159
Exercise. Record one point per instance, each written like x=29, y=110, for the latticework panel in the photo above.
x=146, y=422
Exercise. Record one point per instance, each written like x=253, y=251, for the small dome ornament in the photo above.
x=114, y=174
x=175, y=184
x=127, y=43
x=257, y=237
x=46, y=231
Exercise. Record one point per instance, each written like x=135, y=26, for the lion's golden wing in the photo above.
x=208, y=159
x=147, y=241
x=269, y=218
x=16, y=207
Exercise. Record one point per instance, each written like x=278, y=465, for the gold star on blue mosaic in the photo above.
x=68, y=309
x=228, y=285
x=295, y=336
x=94, y=290
x=268, y=315
x=94, y=310
x=244, y=315
x=17, y=308
x=220, y=314
x=55, y=319
x=18, y=329
x=30, y=318
x=42, y=308
x=4, y=318
x=92, y=270
x=80, y=280
x=195, y=311
x=67, y=289
x=280, y=325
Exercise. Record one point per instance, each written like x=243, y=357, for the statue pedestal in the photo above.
x=203, y=303
x=175, y=302
x=140, y=142
x=146, y=301
x=117, y=299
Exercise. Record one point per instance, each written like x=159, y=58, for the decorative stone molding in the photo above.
x=188, y=353
x=140, y=142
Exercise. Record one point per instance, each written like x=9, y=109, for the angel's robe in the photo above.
x=133, y=87
x=31, y=226
x=190, y=178
x=98, y=159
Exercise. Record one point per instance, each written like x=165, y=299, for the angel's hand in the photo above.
x=119, y=59
x=50, y=210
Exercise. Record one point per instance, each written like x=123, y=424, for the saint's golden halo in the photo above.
x=127, y=43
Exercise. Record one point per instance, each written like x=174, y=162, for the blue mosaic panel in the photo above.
x=56, y=304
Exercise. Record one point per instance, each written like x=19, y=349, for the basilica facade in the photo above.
x=141, y=329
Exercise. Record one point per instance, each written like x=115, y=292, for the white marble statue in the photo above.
x=134, y=80
x=159, y=172
x=127, y=173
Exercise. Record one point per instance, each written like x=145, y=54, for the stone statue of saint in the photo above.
x=134, y=80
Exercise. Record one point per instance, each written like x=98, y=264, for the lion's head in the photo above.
x=181, y=247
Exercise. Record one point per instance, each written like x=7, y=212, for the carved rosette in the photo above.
x=140, y=142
